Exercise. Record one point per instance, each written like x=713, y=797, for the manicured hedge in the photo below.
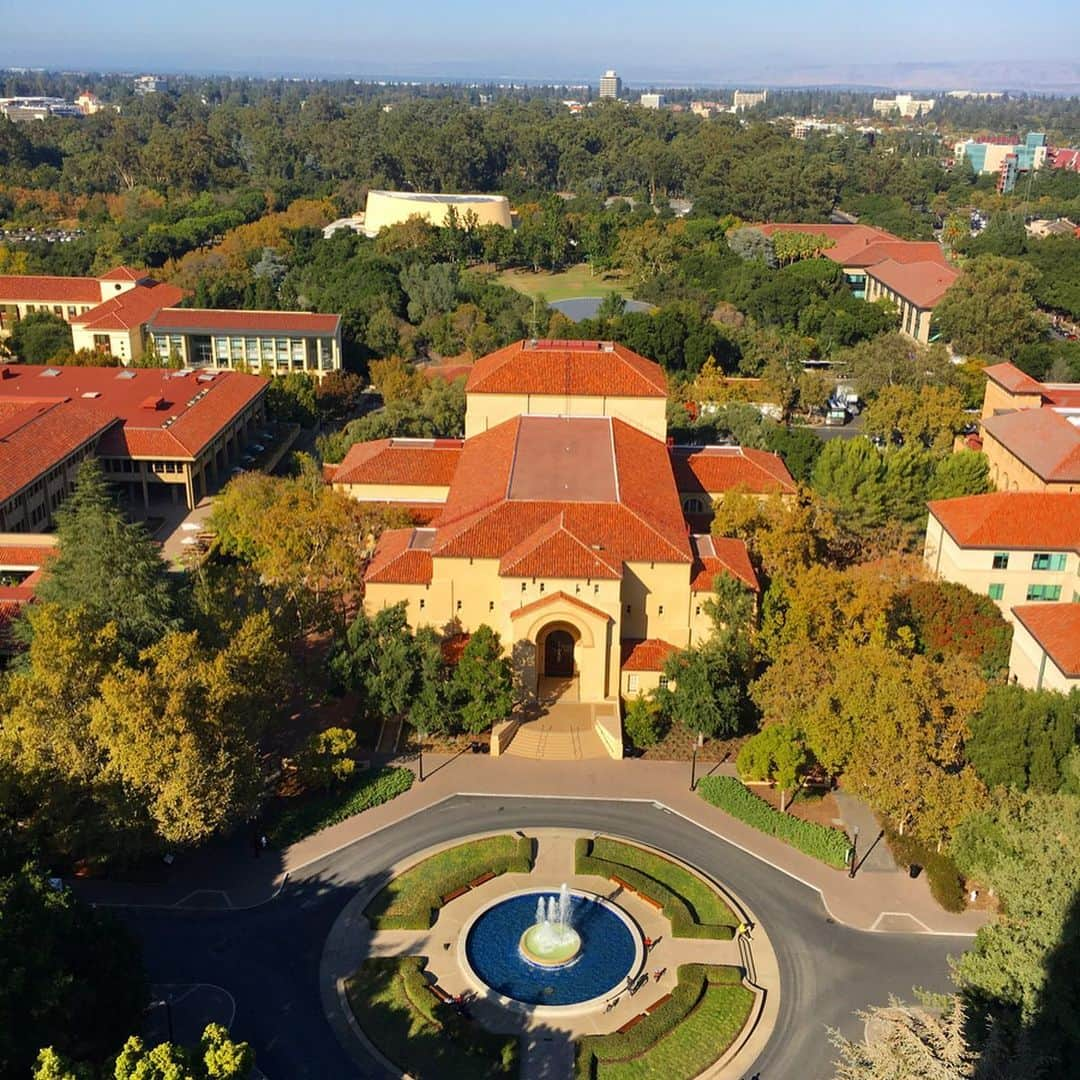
x=694, y=909
x=707, y=1010
x=412, y=900
x=429, y=1040
x=819, y=841
x=941, y=872
x=308, y=814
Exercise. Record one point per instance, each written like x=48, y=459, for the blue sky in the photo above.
x=694, y=40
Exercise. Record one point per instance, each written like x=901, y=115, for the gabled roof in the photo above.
x=1056, y=627
x=124, y=273
x=848, y=240
x=420, y=462
x=558, y=597
x=580, y=368
x=39, y=288
x=1003, y=520
x=1015, y=381
x=1044, y=440
x=715, y=555
x=900, y=251
x=715, y=469
x=554, y=551
x=131, y=308
x=920, y=283
x=212, y=320
x=402, y=557
x=646, y=655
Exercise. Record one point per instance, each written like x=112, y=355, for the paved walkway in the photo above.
x=872, y=854
x=227, y=876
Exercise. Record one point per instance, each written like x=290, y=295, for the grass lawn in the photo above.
x=423, y=1037
x=304, y=815
x=412, y=900
x=566, y=285
x=708, y=1009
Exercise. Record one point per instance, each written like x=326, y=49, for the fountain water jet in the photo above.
x=551, y=941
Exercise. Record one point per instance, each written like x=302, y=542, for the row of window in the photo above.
x=1034, y=592
x=633, y=681
x=1041, y=560
x=56, y=309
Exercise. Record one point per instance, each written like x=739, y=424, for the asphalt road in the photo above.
x=267, y=958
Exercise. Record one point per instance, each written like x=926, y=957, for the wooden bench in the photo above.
x=440, y=993
x=455, y=894
x=649, y=900
x=631, y=1023
x=658, y=1002
x=482, y=879
x=622, y=884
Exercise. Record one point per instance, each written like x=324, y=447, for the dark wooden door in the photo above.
x=559, y=654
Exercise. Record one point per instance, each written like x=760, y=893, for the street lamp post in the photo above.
x=693, y=769
x=854, y=851
x=420, y=762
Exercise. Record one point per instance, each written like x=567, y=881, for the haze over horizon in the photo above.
x=789, y=43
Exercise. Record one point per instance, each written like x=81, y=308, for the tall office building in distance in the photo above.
x=610, y=85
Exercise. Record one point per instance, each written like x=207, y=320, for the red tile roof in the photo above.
x=715, y=469
x=900, y=251
x=124, y=273
x=1011, y=378
x=131, y=308
x=39, y=288
x=195, y=406
x=424, y=462
x=714, y=555
x=1056, y=627
x=848, y=240
x=210, y=320
x=402, y=557
x=558, y=597
x=920, y=283
x=36, y=435
x=1044, y=440
x=554, y=551
x=1033, y=521
x=646, y=655
x=584, y=368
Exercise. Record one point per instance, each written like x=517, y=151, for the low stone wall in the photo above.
x=501, y=736
x=608, y=725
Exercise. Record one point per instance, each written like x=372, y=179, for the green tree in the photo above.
x=291, y=398
x=776, y=753
x=990, y=309
x=326, y=758
x=704, y=692
x=37, y=338
x=482, y=685
x=929, y=417
x=377, y=659
x=107, y=566
x=798, y=446
x=850, y=476
x=70, y=976
x=963, y=473
x=216, y=1057
x=643, y=724
x=430, y=707
x=893, y=360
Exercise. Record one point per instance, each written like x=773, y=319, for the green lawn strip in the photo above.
x=412, y=900
x=707, y=1010
x=694, y=909
x=734, y=798
x=578, y=281
x=306, y=815
x=419, y=1034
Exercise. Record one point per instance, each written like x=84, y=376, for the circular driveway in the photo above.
x=268, y=957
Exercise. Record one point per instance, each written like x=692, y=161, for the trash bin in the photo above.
x=914, y=870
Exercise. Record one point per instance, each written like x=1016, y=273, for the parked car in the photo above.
x=836, y=417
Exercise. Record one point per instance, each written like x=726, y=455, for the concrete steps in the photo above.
x=539, y=742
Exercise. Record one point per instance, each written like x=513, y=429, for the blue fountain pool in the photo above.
x=608, y=952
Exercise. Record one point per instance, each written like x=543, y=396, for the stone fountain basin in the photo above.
x=538, y=947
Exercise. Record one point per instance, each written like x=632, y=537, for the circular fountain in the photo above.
x=540, y=949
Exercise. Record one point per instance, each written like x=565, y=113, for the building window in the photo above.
x=628, y=609
x=457, y=607
x=577, y=589
x=421, y=603
x=660, y=610
x=1045, y=561
x=663, y=682
x=1001, y=560
x=996, y=591
x=697, y=610
x=694, y=506
x=101, y=343
x=596, y=590
x=523, y=586
x=1044, y=592
x=491, y=605
x=631, y=683
x=541, y=586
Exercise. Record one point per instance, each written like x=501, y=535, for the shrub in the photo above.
x=643, y=724
x=818, y=841
x=648, y=1036
x=312, y=814
x=325, y=759
x=942, y=874
x=413, y=899
x=693, y=908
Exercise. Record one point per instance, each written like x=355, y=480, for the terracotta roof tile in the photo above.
x=124, y=273
x=554, y=551
x=900, y=251
x=1056, y=627
x=401, y=558
x=584, y=368
x=558, y=597
x=38, y=288
x=713, y=470
x=424, y=462
x=130, y=309
x=1012, y=379
x=848, y=240
x=921, y=283
x=213, y=320
x=1043, y=439
x=646, y=655
x=1032, y=521
x=714, y=555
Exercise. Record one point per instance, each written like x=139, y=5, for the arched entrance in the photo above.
x=559, y=654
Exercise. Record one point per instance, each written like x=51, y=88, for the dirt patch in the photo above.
x=678, y=745
x=818, y=805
